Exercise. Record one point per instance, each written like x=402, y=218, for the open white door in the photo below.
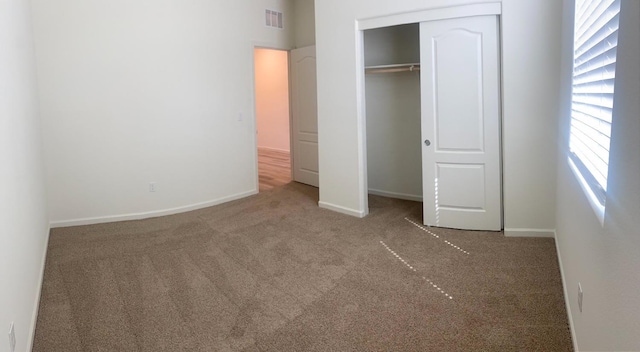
x=304, y=124
x=461, y=123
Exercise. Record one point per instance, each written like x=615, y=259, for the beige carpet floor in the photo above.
x=273, y=272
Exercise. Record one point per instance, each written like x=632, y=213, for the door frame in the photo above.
x=254, y=120
x=433, y=14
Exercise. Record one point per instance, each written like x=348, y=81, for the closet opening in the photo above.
x=393, y=111
x=272, y=109
x=433, y=120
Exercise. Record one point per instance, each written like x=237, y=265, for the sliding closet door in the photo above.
x=461, y=123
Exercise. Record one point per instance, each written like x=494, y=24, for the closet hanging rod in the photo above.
x=392, y=68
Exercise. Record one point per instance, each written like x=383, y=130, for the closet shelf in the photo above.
x=392, y=68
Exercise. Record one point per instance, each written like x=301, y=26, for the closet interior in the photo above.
x=393, y=116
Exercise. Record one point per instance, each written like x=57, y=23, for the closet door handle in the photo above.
x=427, y=142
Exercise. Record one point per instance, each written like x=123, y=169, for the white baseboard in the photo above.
x=36, y=309
x=566, y=300
x=341, y=209
x=404, y=196
x=530, y=233
x=150, y=214
x=275, y=149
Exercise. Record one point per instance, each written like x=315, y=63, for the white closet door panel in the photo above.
x=461, y=186
x=461, y=123
x=457, y=55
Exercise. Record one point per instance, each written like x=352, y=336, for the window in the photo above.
x=594, y=68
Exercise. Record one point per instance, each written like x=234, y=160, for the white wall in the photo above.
x=530, y=69
x=272, y=99
x=142, y=91
x=394, y=162
x=604, y=259
x=304, y=23
x=529, y=36
x=23, y=215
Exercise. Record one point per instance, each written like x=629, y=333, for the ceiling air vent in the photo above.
x=273, y=19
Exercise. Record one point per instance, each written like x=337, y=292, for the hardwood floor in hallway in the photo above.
x=274, y=168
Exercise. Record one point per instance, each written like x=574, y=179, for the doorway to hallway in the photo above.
x=271, y=79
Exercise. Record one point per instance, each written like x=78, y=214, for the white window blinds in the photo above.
x=594, y=67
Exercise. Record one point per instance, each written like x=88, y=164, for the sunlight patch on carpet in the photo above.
x=415, y=270
x=436, y=236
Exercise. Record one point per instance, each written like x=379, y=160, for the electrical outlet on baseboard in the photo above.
x=12, y=338
x=152, y=187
